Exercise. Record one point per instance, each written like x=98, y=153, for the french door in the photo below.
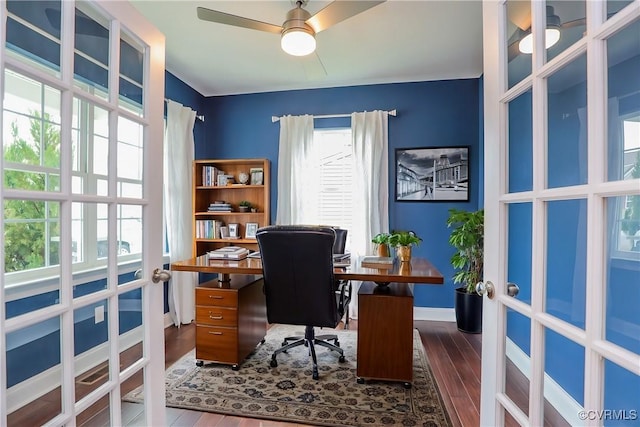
x=81, y=320
x=561, y=334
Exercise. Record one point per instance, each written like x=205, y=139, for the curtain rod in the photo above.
x=199, y=117
x=332, y=116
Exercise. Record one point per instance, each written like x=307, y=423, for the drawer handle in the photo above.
x=215, y=317
x=215, y=333
x=215, y=296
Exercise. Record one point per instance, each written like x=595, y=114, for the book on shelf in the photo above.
x=210, y=175
x=208, y=228
x=377, y=261
x=229, y=252
x=255, y=254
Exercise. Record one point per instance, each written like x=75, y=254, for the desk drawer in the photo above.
x=217, y=297
x=217, y=344
x=216, y=316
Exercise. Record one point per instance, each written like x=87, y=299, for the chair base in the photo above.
x=310, y=340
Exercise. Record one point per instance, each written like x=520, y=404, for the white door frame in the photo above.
x=122, y=16
x=497, y=198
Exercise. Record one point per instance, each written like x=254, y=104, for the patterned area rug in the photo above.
x=288, y=393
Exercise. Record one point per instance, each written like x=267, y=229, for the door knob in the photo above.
x=512, y=289
x=485, y=288
x=160, y=275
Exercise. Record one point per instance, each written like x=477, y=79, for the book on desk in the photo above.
x=377, y=262
x=229, y=252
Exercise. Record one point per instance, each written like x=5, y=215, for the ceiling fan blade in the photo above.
x=237, y=21
x=575, y=23
x=338, y=11
x=519, y=12
x=313, y=66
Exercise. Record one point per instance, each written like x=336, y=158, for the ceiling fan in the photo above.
x=299, y=28
x=521, y=41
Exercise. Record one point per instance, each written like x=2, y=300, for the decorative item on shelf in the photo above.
x=257, y=176
x=381, y=241
x=234, y=231
x=403, y=241
x=467, y=238
x=250, y=230
x=244, y=206
x=222, y=180
x=243, y=178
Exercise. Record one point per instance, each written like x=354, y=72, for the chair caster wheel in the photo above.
x=235, y=367
x=342, y=359
x=199, y=362
x=315, y=375
x=283, y=343
x=360, y=380
x=337, y=343
x=263, y=341
x=273, y=363
x=407, y=386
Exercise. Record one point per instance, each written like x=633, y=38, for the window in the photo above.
x=31, y=143
x=333, y=151
x=628, y=239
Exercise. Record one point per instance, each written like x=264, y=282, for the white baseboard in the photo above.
x=32, y=388
x=566, y=405
x=434, y=313
x=168, y=321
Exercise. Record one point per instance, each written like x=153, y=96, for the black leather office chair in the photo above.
x=344, y=286
x=299, y=284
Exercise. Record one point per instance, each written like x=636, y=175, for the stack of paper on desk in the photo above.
x=229, y=252
x=377, y=262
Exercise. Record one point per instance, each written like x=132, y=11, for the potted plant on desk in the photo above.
x=403, y=241
x=468, y=239
x=381, y=241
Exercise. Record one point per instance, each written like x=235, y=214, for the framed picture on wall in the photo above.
x=432, y=174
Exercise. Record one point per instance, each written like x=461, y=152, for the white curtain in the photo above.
x=294, y=164
x=371, y=183
x=178, y=180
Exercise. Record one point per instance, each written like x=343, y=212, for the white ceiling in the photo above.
x=396, y=41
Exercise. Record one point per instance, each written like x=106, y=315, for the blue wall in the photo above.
x=440, y=113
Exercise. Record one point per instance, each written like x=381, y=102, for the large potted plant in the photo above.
x=467, y=237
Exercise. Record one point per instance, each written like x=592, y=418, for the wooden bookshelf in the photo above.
x=258, y=195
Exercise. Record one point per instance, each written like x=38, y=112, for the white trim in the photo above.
x=31, y=389
x=168, y=321
x=434, y=314
x=566, y=405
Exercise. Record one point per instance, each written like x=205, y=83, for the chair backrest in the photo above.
x=297, y=266
x=341, y=240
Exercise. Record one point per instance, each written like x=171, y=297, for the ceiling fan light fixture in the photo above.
x=298, y=42
x=298, y=37
x=551, y=35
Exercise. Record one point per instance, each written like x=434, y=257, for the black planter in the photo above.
x=468, y=311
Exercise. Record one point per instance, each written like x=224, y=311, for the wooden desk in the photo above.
x=419, y=271
x=385, y=324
